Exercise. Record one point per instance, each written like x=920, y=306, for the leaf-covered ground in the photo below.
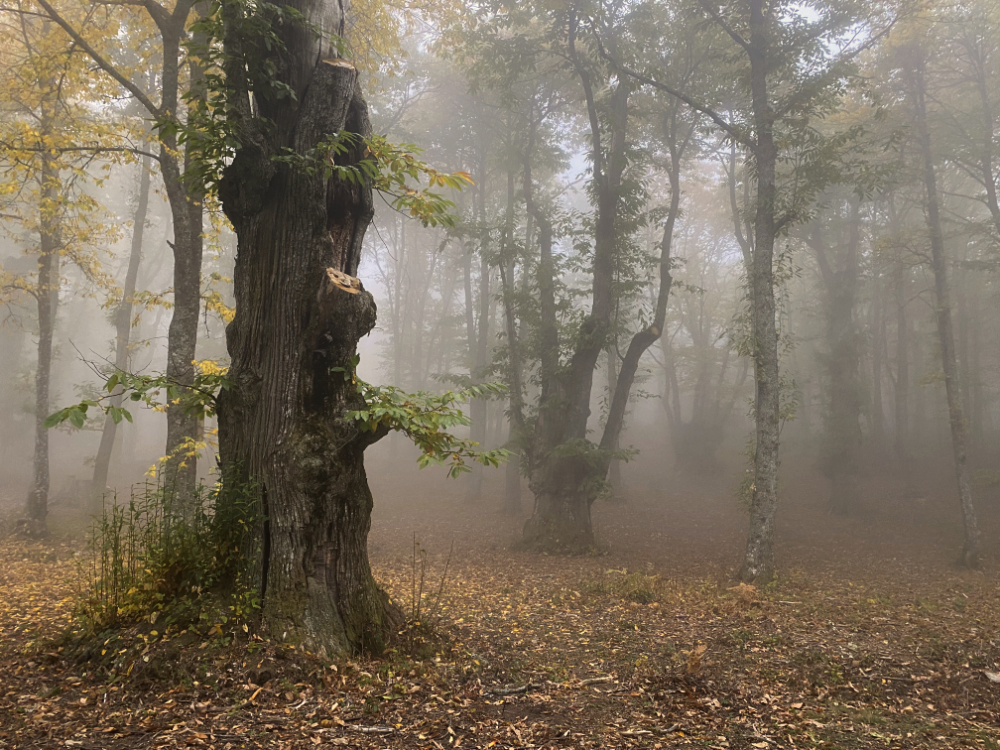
x=870, y=639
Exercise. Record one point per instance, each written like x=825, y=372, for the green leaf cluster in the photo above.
x=427, y=419
x=198, y=399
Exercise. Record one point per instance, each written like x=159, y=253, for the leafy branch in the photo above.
x=393, y=169
x=198, y=399
x=426, y=418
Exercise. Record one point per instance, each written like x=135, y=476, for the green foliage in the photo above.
x=208, y=133
x=426, y=418
x=198, y=399
x=151, y=563
x=591, y=453
x=393, y=169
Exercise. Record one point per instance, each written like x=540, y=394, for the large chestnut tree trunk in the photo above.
x=300, y=312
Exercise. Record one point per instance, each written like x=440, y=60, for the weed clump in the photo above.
x=637, y=587
x=158, y=565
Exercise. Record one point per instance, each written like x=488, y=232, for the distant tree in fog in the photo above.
x=50, y=135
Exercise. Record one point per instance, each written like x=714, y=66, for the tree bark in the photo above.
x=300, y=312
x=970, y=554
x=615, y=466
x=47, y=298
x=478, y=407
x=878, y=362
x=123, y=330
x=516, y=433
x=758, y=560
x=180, y=473
x=187, y=212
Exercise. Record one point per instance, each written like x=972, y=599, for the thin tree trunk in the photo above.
x=478, y=408
x=975, y=376
x=902, y=393
x=123, y=330
x=615, y=466
x=959, y=440
x=180, y=473
x=964, y=355
x=758, y=560
x=645, y=338
x=878, y=350
x=47, y=298
x=516, y=434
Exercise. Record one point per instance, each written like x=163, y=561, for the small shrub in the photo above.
x=153, y=559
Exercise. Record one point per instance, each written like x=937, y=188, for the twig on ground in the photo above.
x=513, y=691
x=377, y=729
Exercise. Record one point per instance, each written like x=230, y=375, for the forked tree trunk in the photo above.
x=123, y=329
x=300, y=312
x=959, y=438
x=565, y=477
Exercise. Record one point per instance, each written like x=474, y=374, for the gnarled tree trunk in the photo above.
x=300, y=312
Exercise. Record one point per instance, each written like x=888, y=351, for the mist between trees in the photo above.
x=689, y=240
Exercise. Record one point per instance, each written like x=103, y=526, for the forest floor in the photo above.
x=870, y=638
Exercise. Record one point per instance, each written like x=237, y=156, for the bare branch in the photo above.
x=89, y=149
x=717, y=17
x=731, y=130
x=102, y=63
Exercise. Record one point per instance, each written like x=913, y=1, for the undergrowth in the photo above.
x=632, y=587
x=156, y=560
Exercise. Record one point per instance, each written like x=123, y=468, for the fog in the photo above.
x=866, y=343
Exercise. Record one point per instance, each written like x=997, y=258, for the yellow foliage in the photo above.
x=57, y=134
x=375, y=31
x=209, y=367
